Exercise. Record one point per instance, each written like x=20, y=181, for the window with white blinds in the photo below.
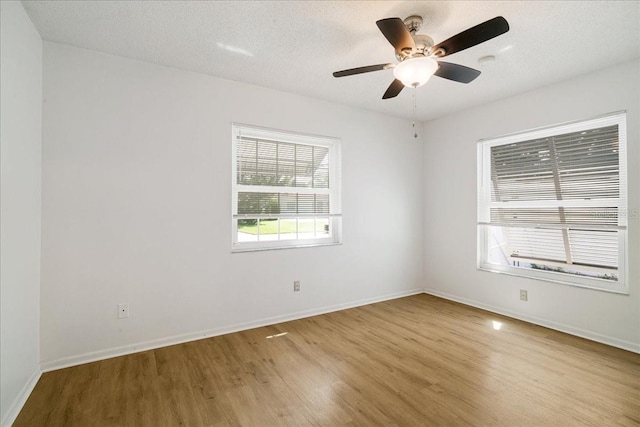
x=552, y=203
x=286, y=189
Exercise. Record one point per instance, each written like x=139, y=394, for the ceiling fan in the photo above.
x=418, y=56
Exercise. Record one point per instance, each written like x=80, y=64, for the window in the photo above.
x=552, y=204
x=286, y=189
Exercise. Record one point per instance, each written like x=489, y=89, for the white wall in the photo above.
x=20, y=135
x=450, y=207
x=137, y=204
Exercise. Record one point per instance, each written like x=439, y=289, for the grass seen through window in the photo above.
x=287, y=226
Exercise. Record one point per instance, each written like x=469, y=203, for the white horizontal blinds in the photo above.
x=572, y=217
x=558, y=196
x=587, y=247
x=594, y=248
x=521, y=171
x=277, y=177
x=263, y=162
x=536, y=244
x=576, y=165
x=588, y=163
x=282, y=204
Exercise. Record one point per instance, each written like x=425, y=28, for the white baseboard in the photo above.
x=593, y=336
x=179, y=339
x=21, y=399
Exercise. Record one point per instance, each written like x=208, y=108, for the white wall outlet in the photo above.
x=296, y=286
x=524, y=295
x=123, y=311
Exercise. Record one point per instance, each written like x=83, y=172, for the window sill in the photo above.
x=277, y=248
x=554, y=278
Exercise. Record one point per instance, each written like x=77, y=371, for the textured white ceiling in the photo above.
x=294, y=46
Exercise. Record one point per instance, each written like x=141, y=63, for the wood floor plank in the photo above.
x=413, y=361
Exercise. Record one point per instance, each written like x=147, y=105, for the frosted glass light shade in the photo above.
x=415, y=72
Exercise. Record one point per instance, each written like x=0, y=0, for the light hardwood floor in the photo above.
x=415, y=361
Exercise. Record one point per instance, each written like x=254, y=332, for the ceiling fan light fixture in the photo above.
x=415, y=72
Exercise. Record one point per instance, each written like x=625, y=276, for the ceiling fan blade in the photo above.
x=473, y=36
x=456, y=72
x=360, y=70
x=396, y=32
x=393, y=90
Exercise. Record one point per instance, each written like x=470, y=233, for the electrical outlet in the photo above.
x=123, y=311
x=296, y=286
x=523, y=295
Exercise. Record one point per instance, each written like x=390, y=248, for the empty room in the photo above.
x=320, y=213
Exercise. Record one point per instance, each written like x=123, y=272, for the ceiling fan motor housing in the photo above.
x=423, y=45
x=423, y=42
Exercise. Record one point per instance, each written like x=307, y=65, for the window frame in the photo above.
x=484, y=204
x=333, y=191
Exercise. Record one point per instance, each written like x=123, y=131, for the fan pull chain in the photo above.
x=415, y=134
